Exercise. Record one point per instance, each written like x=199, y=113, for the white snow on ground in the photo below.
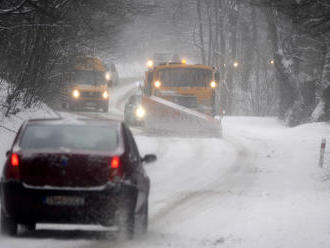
x=185, y=168
x=273, y=195
x=260, y=186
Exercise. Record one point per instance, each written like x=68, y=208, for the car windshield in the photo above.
x=89, y=77
x=185, y=77
x=98, y=138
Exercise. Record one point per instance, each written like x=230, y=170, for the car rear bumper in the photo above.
x=31, y=205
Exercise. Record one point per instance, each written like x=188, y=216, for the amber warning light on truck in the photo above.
x=76, y=93
x=150, y=63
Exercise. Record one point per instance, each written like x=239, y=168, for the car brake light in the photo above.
x=115, y=162
x=14, y=160
x=12, y=171
x=115, y=169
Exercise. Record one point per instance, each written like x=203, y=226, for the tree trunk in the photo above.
x=286, y=91
x=201, y=35
x=325, y=80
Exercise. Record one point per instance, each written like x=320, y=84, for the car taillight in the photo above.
x=14, y=160
x=115, y=161
x=12, y=171
x=115, y=168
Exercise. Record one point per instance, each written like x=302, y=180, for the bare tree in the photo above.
x=39, y=37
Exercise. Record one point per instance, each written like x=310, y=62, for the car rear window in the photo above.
x=86, y=137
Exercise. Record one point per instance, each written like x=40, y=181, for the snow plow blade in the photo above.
x=166, y=117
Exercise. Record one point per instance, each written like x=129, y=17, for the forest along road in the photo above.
x=259, y=186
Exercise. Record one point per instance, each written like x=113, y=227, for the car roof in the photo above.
x=77, y=121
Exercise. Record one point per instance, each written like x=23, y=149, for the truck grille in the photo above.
x=91, y=94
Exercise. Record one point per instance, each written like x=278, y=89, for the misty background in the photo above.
x=273, y=56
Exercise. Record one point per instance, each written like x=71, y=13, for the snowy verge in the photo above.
x=270, y=194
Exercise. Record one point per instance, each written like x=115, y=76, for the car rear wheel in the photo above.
x=8, y=225
x=125, y=220
x=141, y=221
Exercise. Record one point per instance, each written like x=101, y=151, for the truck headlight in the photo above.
x=76, y=93
x=107, y=76
x=157, y=84
x=105, y=95
x=140, y=112
x=213, y=84
x=150, y=63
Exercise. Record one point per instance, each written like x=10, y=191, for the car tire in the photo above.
x=8, y=225
x=125, y=220
x=141, y=220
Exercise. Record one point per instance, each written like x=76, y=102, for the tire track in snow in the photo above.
x=235, y=180
x=165, y=180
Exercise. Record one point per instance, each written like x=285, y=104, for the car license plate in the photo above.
x=60, y=200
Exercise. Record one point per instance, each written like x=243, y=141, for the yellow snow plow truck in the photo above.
x=180, y=98
x=88, y=85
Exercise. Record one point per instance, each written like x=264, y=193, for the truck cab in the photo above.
x=192, y=86
x=89, y=85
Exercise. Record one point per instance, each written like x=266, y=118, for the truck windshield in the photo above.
x=85, y=137
x=185, y=77
x=89, y=77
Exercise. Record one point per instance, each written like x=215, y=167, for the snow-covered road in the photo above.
x=259, y=186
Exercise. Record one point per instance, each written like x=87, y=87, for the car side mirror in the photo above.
x=7, y=153
x=149, y=158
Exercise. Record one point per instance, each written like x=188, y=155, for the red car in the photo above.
x=82, y=171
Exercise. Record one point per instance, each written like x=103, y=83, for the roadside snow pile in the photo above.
x=272, y=195
x=314, y=133
x=9, y=125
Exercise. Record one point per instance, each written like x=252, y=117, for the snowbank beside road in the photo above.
x=288, y=205
x=272, y=195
